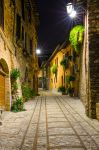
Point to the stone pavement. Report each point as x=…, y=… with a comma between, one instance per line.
x=51, y=122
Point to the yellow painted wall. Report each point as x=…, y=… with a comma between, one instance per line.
x=53, y=84
x=61, y=73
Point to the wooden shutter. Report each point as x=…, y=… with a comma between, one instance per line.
x=2, y=13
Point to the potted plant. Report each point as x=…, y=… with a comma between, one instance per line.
x=62, y=89
x=70, y=91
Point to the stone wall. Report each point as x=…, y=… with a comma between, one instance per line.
x=93, y=22
x=89, y=85
x=11, y=50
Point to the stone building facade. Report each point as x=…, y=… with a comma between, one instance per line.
x=72, y=67
x=89, y=85
x=18, y=42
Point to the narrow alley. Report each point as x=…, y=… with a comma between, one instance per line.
x=50, y=122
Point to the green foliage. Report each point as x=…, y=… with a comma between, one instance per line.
x=15, y=74
x=27, y=92
x=14, y=87
x=64, y=62
x=61, y=89
x=54, y=69
x=18, y=105
x=70, y=91
x=76, y=37
x=70, y=78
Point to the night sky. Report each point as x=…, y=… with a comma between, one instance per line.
x=54, y=25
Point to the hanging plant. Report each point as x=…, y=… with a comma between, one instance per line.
x=76, y=37
x=54, y=69
x=15, y=74
x=70, y=78
x=64, y=62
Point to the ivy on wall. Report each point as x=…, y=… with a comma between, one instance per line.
x=76, y=37
x=64, y=62
x=54, y=69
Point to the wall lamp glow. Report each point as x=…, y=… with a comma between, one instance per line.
x=73, y=14
x=38, y=51
x=70, y=10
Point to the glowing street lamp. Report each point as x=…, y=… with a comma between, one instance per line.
x=70, y=10
x=73, y=14
x=38, y=51
x=70, y=7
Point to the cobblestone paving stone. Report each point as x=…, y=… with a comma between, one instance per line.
x=50, y=122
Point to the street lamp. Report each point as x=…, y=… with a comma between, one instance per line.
x=73, y=14
x=38, y=51
x=70, y=7
x=70, y=10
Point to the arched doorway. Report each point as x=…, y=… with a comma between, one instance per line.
x=4, y=85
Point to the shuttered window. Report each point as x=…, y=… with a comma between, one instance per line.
x=2, y=13
x=22, y=8
x=31, y=52
x=18, y=26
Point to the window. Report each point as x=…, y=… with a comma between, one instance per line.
x=26, y=75
x=25, y=41
x=12, y=2
x=2, y=13
x=22, y=34
x=56, y=78
x=22, y=8
x=57, y=61
x=18, y=26
x=62, y=80
x=29, y=15
x=31, y=52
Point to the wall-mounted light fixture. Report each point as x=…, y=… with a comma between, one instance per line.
x=38, y=51
x=71, y=11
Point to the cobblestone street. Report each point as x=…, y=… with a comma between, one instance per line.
x=51, y=122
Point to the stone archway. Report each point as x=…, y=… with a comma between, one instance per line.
x=4, y=85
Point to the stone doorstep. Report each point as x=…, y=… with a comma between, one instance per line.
x=97, y=110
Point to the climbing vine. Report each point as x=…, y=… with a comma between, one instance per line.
x=76, y=37
x=64, y=62
x=15, y=74
x=54, y=69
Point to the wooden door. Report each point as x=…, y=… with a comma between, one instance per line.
x=2, y=91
